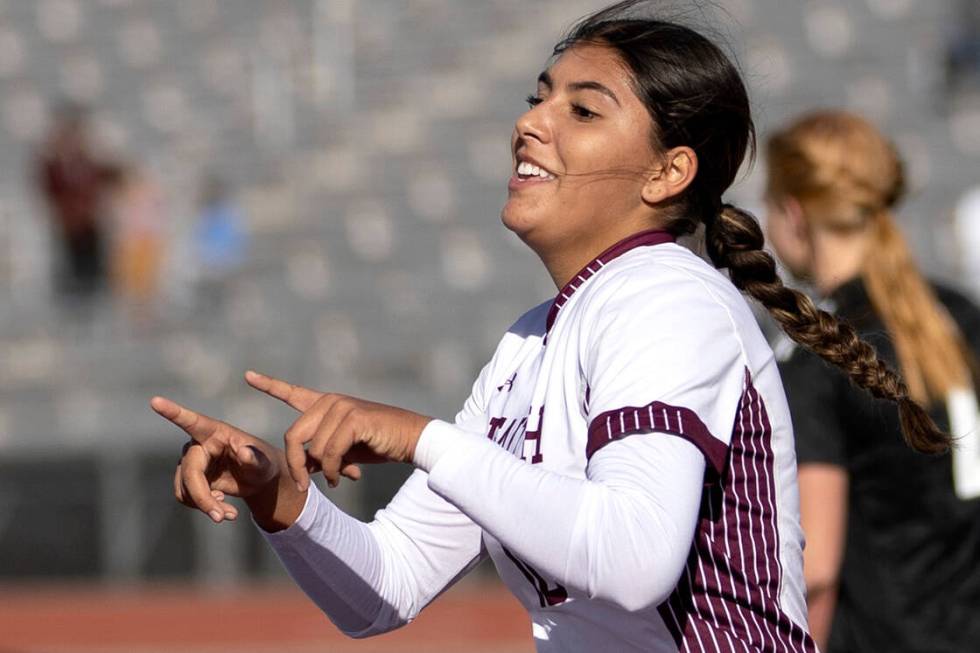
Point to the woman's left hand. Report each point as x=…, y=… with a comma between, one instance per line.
x=341, y=431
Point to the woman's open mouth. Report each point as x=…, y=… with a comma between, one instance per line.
x=528, y=173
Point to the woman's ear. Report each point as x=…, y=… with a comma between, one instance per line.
x=797, y=221
x=789, y=235
x=680, y=166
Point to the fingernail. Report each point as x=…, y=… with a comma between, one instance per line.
x=215, y=515
x=229, y=515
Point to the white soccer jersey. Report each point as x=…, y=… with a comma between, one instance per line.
x=647, y=351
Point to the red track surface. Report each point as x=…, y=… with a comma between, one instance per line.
x=252, y=619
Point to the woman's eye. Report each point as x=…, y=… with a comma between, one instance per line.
x=533, y=101
x=582, y=112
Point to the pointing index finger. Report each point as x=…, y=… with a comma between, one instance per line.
x=200, y=427
x=296, y=396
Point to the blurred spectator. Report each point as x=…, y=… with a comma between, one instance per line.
x=892, y=561
x=137, y=210
x=220, y=239
x=73, y=179
x=963, y=53
x=967, y=224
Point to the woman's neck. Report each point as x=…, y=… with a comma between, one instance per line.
x=837, y=259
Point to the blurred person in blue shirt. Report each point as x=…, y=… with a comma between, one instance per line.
x=220, y=238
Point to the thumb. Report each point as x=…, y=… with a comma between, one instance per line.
x=248, y=456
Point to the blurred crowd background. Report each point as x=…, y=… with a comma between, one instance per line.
x=311, y=188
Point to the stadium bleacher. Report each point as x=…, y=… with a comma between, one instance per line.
x=367, y=143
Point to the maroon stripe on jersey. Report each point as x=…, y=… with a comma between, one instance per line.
x=653, y=237
x=658, y=416
x=727, y=599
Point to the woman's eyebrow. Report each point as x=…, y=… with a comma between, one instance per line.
x=594, y=86
x=545, y=79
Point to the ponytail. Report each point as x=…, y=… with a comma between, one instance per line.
x=735, y=241
x=931, y=352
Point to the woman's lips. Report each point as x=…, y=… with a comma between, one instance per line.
x=517, y=182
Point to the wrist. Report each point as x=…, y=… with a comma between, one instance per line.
x=277, y=506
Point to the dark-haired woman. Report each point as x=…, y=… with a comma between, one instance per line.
x=893, y=538
x=626, y=457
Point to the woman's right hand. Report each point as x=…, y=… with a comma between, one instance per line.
x=221, y=460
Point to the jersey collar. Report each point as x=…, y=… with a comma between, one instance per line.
x=643, y=238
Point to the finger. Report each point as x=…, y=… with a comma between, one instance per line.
x=296, y=462
x=304, y=430
x=196, y=485
x=228, y=510
x=296, y=396
x=179, y=485
x=324, y=438
x=333, y=454
x=200, y=427
x=351, y=471
x=180, y=491
x=312, y=464
x=246, y=454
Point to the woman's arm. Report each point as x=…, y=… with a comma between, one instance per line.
x=368, y=578
x=823, y=514
x=371, y=578
x=622, y=534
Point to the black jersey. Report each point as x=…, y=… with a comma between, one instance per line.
x=910, y=579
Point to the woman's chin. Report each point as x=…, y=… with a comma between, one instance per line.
x=517, y=221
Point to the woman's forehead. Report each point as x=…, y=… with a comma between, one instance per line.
x=591, y=62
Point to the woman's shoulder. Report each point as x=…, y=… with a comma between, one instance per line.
x=959, y=304
x=533, y=322
x=668, y=296
x=963, y=310
x=667, y=279
x=669, y=268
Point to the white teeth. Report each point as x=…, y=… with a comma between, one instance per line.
x=526, y=169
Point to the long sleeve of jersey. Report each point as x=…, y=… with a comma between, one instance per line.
x=622, y=534
x=369, y=578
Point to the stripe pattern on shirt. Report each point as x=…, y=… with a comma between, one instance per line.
x=660, y=417
x=644, y=238
x=727, y=598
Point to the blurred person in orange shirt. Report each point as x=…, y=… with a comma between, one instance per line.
x=137, y=210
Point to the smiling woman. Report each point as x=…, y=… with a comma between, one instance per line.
x=626, y=457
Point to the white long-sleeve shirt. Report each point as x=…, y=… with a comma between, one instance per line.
x=626, y=460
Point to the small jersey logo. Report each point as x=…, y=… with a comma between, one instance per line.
x=509, y=383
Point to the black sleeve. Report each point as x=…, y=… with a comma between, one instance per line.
x=811, y=390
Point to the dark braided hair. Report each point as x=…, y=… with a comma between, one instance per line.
x=696, y=97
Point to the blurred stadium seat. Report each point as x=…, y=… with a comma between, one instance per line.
x=367, y=141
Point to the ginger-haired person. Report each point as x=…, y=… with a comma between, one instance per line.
x=892, y=561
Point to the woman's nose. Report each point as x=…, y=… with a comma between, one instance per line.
x=534, y=124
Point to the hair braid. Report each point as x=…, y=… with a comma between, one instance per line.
x=735, y=241
x=705, y=105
